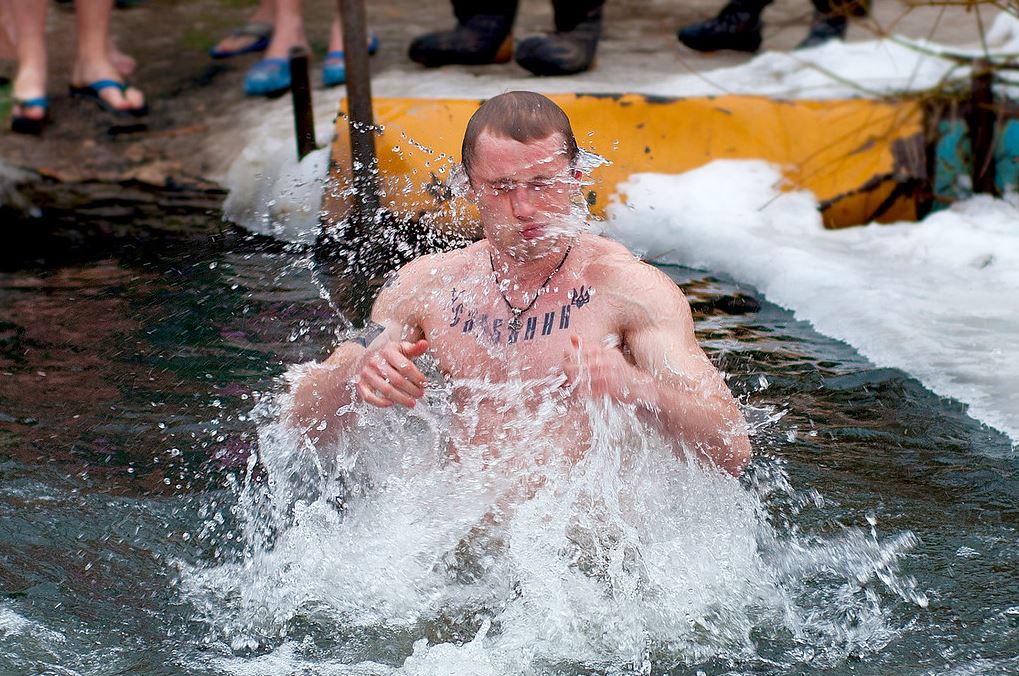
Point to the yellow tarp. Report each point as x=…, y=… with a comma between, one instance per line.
x=850, y=153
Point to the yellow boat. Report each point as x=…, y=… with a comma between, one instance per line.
x=861, y=158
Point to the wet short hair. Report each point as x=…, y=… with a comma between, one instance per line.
x=521, y=116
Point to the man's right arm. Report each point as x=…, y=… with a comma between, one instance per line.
x=381, y=373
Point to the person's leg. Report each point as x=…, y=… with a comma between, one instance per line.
x=288, y=30
x=30, y=80
x=271, y=76
x=7, y=32
x=336, y=33
x=92, y=61
x=737, y=26
x=124, y=63
x=336, y=36
x=254, y=36
x=831, y=19
x=482, y=35
x=334, y=68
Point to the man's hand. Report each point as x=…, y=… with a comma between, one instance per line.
x=388, y=376
x=596, y=371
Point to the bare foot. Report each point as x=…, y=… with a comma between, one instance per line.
x=289, y=32
x=29, y=84
x=258, y=28
x=335, y=35
x=33, y=113
x=128, y=99
x=244, y=39
x=123, y=63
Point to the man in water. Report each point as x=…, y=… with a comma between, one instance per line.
x=535, y=319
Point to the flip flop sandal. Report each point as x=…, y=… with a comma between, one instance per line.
x=268, y=77
x=20, y=124
x=262, y=32
x=334, y=70
x=90, y=92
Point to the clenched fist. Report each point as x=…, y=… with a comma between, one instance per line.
x=388, y=376
x=596, y=371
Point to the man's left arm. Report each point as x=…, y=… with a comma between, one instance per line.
x=670, y=379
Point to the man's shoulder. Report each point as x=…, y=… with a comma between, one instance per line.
x=614, y=267
x=430, y=266
x=608, y=259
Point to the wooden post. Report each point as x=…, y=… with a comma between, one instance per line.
x=364, y=162
x=983, y=121
x=360, y=245
x=300, y=96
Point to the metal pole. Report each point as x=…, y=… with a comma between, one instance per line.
x=983, y=121
x=364, y=163
x=300, y=95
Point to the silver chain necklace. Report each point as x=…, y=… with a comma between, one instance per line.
x=515, y=323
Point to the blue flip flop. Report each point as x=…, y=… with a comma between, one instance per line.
x=90, y=92
x=30, y=125
x=334, y=70
x=262, y=32
x=268, y=77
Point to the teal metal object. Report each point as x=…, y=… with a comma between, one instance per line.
x=953, y=163
x=1006, y=158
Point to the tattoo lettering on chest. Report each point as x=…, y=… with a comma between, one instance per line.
x=499, y=330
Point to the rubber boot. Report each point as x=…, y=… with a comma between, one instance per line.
x=482, y=35
x=737, y=27
x=572, y=47
x=824, y=27
x=831, y=20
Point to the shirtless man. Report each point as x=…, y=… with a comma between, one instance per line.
x=538, y=312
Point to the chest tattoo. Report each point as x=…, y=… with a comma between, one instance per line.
x=501, y=330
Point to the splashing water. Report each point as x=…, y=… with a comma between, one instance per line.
x=384, y=553
x=406, y=546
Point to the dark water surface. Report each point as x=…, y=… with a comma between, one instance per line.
x=126, y=385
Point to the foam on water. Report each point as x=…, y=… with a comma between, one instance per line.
x=30, y=646
x=936, y=299
x=384, y=554
x=255, y=158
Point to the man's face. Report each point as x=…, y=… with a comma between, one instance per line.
x=524, y=192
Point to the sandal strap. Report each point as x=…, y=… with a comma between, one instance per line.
x=373, y=45
x=267, y=64
x=100, y=85
x=37, y=102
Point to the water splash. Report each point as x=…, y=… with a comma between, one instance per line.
x=384, y=553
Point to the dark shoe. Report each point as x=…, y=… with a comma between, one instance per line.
x=256, y=33
x=571, y=49
x=857, y=8
x=479, y=39
x=823, y=28
x=22, y=124
x=737, y=27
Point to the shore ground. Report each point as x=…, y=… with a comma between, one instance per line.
x=80, y=159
